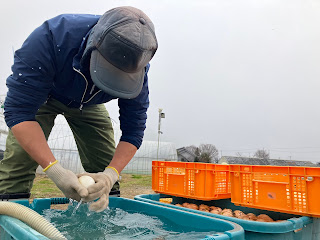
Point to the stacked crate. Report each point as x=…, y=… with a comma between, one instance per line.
x=201, y=181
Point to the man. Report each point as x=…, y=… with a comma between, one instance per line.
x=70, y=65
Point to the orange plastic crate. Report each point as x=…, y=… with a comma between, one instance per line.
x=202, y=181
x=277, y=188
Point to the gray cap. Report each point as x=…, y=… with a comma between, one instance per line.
x=121, y=44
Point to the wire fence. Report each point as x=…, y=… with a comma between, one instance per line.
x=64, y=148
x=142, y=165
x=3, y=126
x=70, y=159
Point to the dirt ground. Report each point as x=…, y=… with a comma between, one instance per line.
x=135, y=190
x=132, y=185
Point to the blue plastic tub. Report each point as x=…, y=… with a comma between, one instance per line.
x=11, y=228
x=295, y=228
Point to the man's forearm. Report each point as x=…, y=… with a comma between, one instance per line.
x=31, y=137
x=122, y=156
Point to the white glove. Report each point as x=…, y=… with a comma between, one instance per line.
x=101, y=189
x=66, y=181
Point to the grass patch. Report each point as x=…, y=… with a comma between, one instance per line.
x=136, y=176
x=130, y=185
x=128, y=180
x=43, y=187
x=45, y=182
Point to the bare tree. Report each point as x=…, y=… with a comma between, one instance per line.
x=204, y=153
x=195, y=150
x=262, y=153
x=192, y=148
x=210, y=152
x=239, y=154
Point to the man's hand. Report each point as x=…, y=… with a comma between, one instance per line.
x=66, y=181
x=101, y=189
x=32, y=139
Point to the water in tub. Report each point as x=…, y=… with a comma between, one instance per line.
x=115, y=223
x=77, y=222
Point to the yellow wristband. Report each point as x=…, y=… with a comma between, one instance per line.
x=50, y=165
x=115, y=170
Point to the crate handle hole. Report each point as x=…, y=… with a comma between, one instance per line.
x=309, y=179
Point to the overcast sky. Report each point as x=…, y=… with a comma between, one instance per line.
x=240, y=74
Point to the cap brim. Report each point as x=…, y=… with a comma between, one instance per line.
x=112, y=80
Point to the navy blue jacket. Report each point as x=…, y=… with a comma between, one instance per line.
x=50, y=64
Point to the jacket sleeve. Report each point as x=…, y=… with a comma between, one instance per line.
x=32, y=77
x=133, y=115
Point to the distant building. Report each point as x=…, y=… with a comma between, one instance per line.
x=184, y=155
x=260, y=161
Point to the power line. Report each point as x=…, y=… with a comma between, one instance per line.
x=295, y=151
x=297, y=148
x=276, y=150
x=248, y=149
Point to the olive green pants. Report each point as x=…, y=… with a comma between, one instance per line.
x=92, y=131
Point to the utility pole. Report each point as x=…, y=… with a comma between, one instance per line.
x=161, y=115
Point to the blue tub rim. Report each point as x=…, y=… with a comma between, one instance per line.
x=292, y=224
x=40, y=204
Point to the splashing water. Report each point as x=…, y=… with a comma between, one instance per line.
x=76, y=208
x=115, y=223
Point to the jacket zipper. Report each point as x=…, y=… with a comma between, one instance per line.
x=84, y=77
x=92, y=97
x=92, y=89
